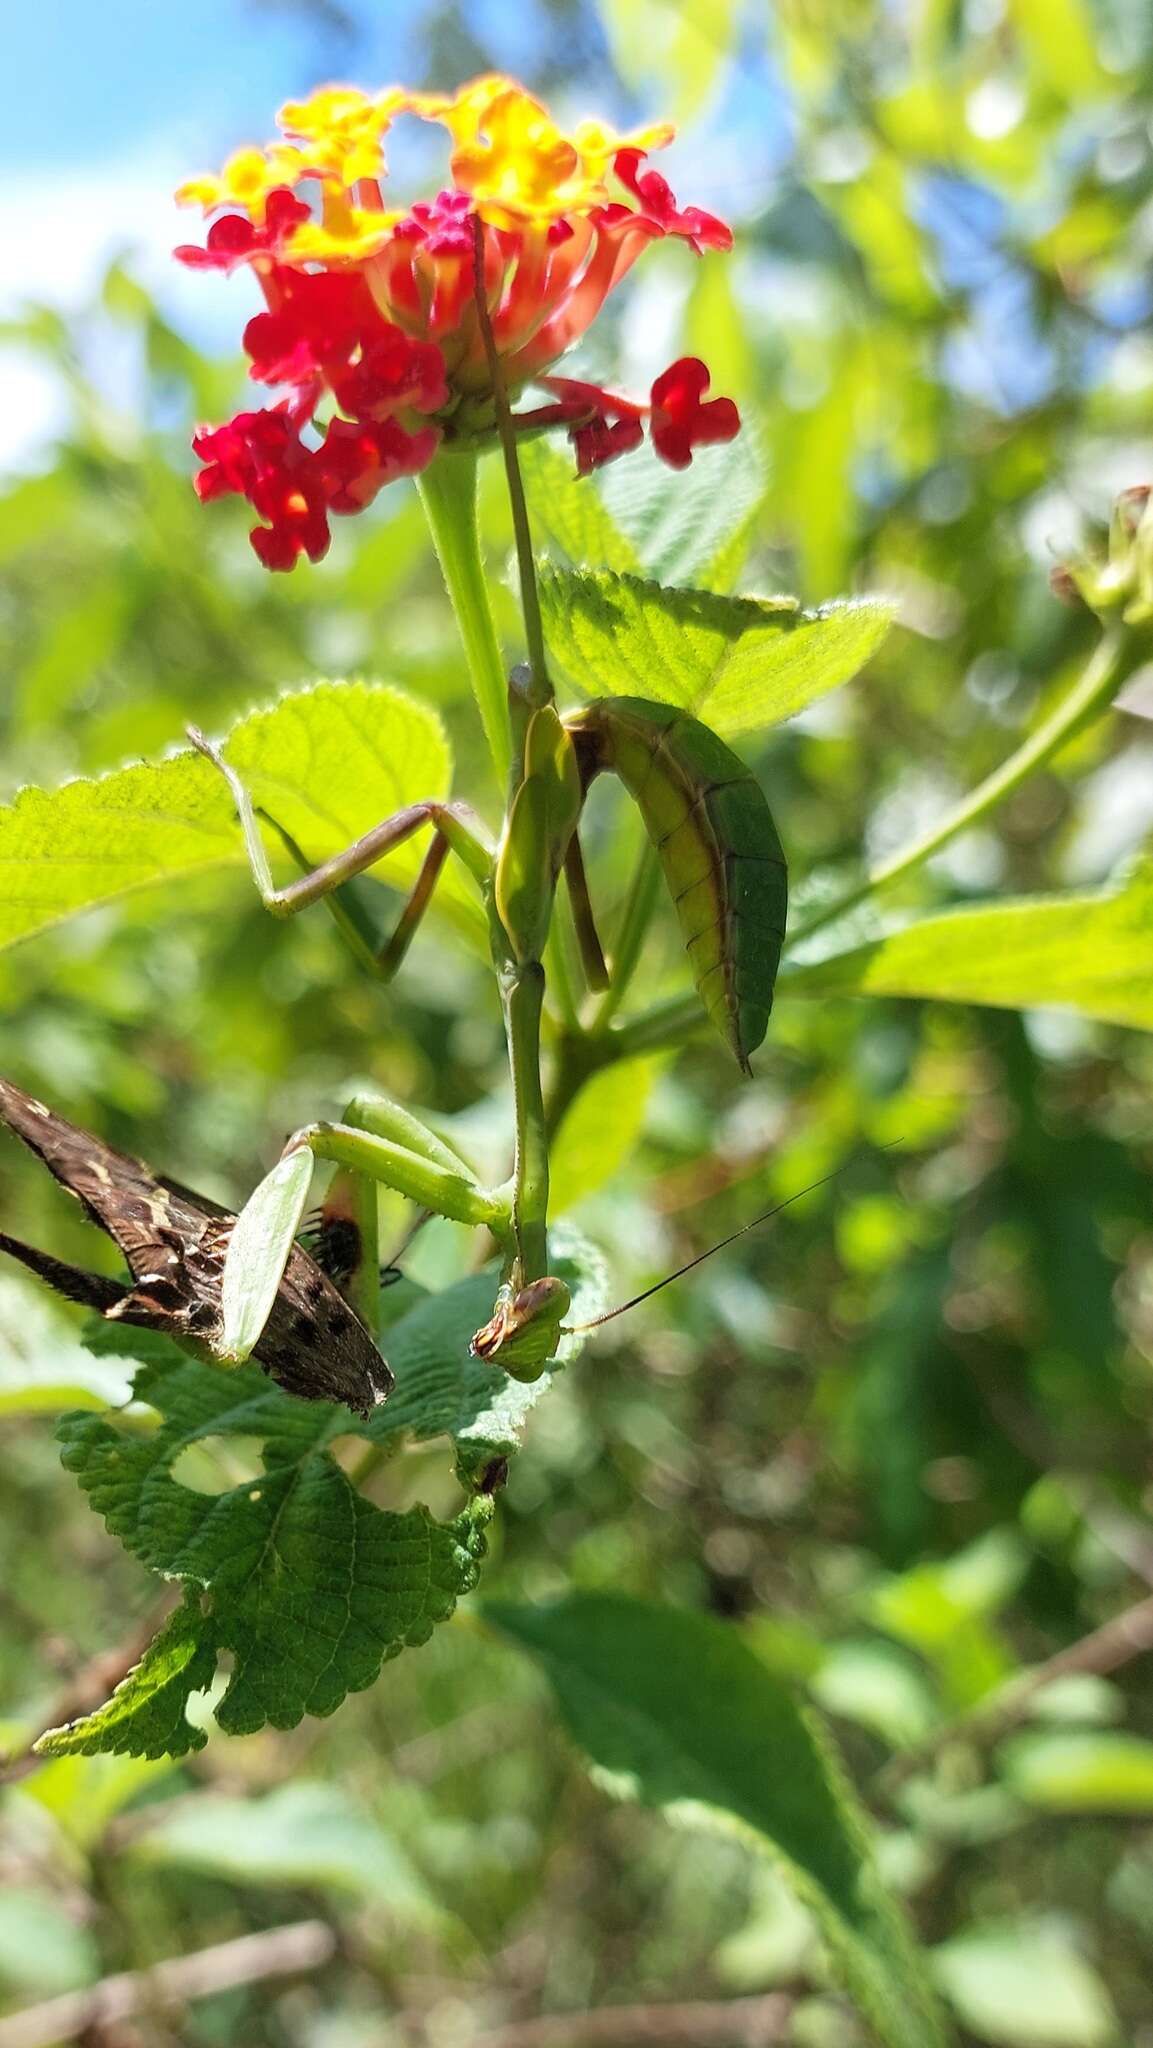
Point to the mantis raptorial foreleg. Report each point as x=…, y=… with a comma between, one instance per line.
x=456, y=828
x=378, y=1142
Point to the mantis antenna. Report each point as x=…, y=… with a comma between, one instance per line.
x=574, y=1329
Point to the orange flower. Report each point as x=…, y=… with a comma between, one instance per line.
x=374, y=311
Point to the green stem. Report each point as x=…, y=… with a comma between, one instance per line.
x=642, y=901
x=541, y=691
x=1115, y=655
x=523, y=993
x=448, y=493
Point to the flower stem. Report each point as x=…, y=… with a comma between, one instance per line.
x=1115, y=655
x=541, y=691
x=448, y=493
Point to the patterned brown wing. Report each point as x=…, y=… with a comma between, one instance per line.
x=122, y=1197
x=175, y=1243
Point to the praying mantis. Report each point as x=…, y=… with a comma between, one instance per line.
x=711, y=828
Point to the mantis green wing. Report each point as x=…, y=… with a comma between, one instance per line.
x=718, y=847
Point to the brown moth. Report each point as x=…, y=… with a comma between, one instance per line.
x=174, y=1242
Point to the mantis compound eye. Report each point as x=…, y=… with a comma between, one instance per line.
x=524, y=1329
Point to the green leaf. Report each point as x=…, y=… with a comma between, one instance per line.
x=570, y=512
x=42, y=1951
x=329, y=762
x=442, y=1390
x=258, y=1250
x=1089, y=953
x=304, y=1833
x=146, y=1714
x=309, y=1586
x=681, y=1714
x=1087, y=1772
x=743, y=663
x=44, y=1368
x=685, y=524
x=1023, y=1985
x=601, y=1129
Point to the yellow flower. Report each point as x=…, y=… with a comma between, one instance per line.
x=342, y=129
x=246, y=180
x=516, y=163
x=347, y=234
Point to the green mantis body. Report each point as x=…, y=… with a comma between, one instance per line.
x=721, y=858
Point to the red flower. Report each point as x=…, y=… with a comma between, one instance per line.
x=235, y=239
x=680, y=422
x=693, y=225
x=371, y=313
x=261, y=457
x=356, y=461
x=603, y=425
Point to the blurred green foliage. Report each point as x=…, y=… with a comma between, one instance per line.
x=901, y=1441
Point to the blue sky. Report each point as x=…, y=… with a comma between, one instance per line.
x=117, y=100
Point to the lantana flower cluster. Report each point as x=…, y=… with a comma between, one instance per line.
x=371, y=326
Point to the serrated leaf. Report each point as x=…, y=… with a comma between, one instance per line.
x=741, y=663
x=683, y=523
x=681, y=1714
x=569, y=512
x=311, y=1586
x=258, y=1250
x=1089, y=953
x=329, y=762
x=303, y=1580
x=146, y=1714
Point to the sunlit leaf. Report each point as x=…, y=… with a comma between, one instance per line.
x=1089, y=953
x=1021, y=1984
x=601, y=1129
x=329, y=762
x=1089, y=1771
x=740, y=663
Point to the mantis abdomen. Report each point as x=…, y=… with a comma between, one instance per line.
x=717, y=844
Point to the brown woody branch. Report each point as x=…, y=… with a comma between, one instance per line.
x=280, y=1952
x=1128, y=1635
x=734, y=2022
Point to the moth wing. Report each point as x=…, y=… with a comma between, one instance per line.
x=316, y=1346
x=121, y=1195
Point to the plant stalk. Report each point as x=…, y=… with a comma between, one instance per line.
x=541, y=690
x=1115, y=655
x=448, y=489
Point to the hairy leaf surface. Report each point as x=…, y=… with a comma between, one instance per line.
x=329, y=762
x=307, y=1584
x=743, y=663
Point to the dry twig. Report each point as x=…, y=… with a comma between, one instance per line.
x=280, y=1952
